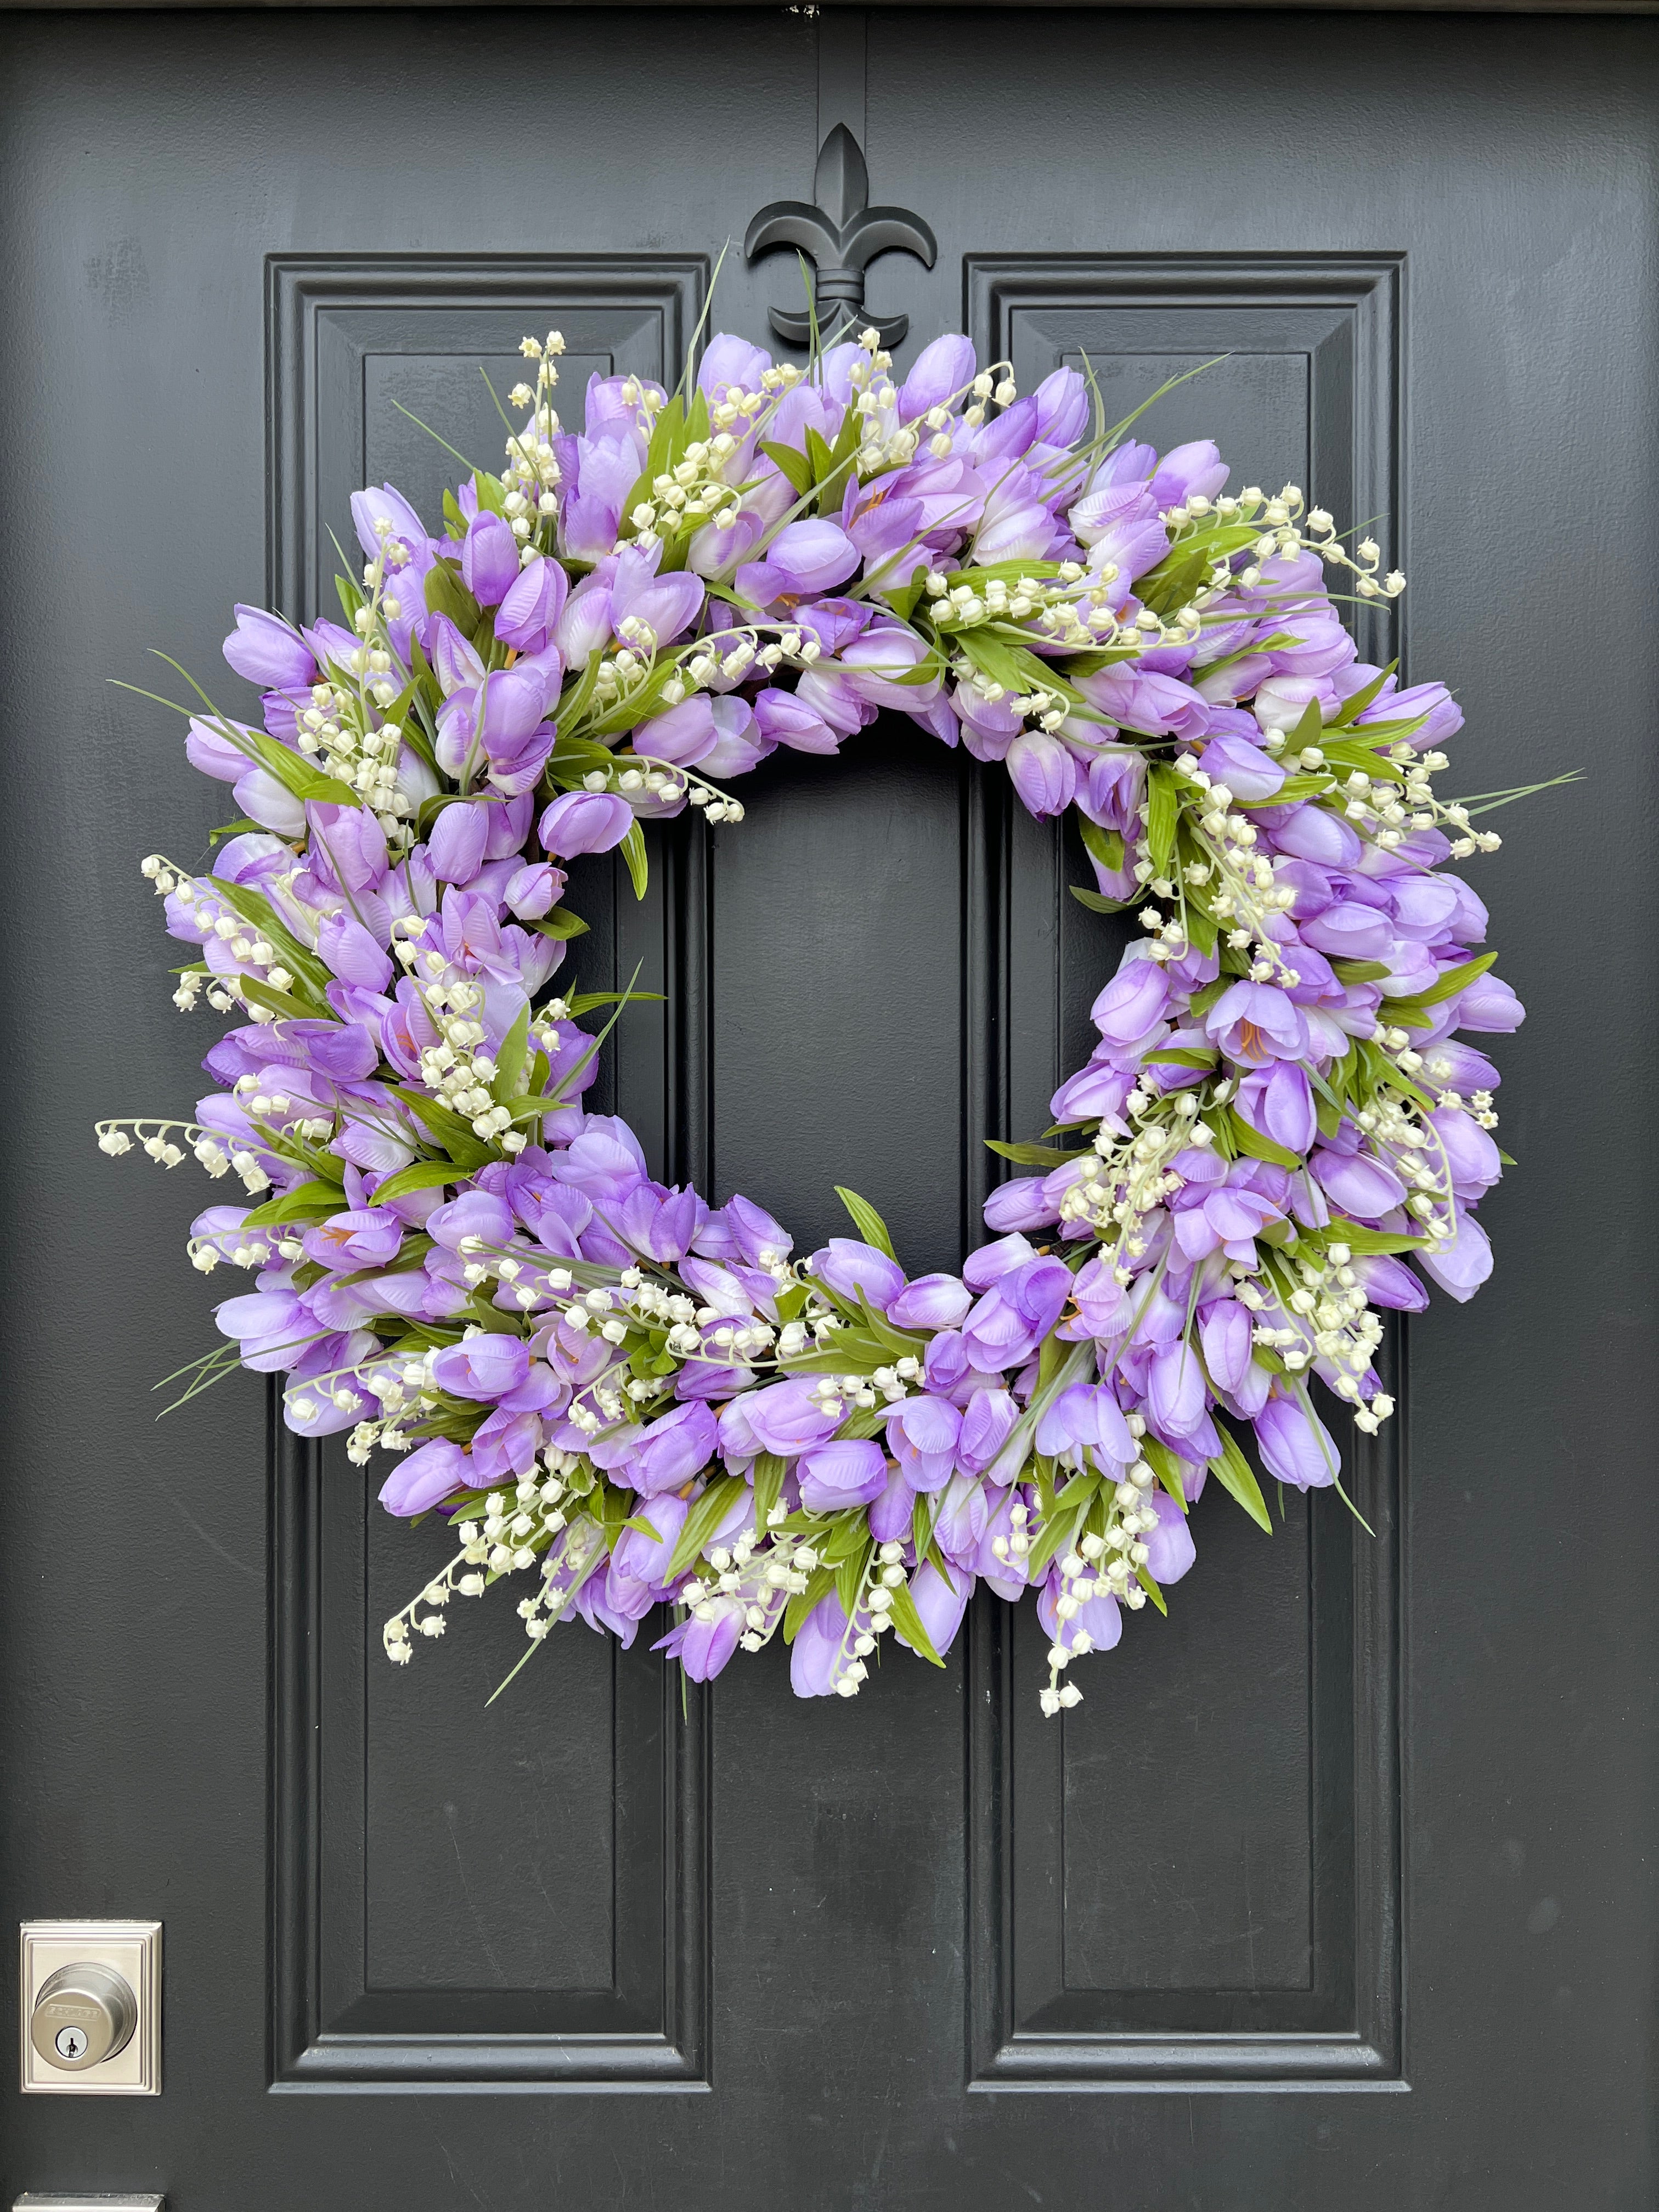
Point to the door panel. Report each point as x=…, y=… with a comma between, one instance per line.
x=1369, y=1812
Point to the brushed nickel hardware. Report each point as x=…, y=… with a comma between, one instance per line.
x=90, y=2010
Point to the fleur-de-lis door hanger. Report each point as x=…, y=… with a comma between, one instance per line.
x=842, y=236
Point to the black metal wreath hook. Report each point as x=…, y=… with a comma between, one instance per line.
x=841, y=235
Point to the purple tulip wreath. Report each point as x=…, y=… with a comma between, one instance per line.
x=620, y=1396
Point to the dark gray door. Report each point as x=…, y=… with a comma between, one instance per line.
x=1336, y=1894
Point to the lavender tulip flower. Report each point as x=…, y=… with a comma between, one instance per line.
x=584, y=822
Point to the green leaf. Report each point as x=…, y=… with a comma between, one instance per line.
x=1360, y=971
x=868, y=1223
x=1235, y=1474
x=1256, y=1146
x=1178, y=1056
x=560, y=923
x=1163, y=807
x=632, y=849
x=458, y=1138
x=1105, y=846
x=421, y=1175
x=701, y=1522
x=1357, y=701
x=1454, y=981
x=307, y=1201
x=1152, y=1590
x=796, y=466
x=1063, y=1521
x=279, y=1002
x=1033, y=1156
x=909, y=1623
x=512, y=1059
x=804, y=1600
x=1361, y=1240
x=583, y=1002
x=768, y=1483
x=445, y=594
x=1309, y=730
x=1162, y=1461
x=1096, y=901
x=898, y=1341
x=849, y=1574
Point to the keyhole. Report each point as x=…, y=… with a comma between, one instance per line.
x=70, y=2042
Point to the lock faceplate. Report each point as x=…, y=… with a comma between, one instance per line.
x=30, y=2202
x=90, y=1995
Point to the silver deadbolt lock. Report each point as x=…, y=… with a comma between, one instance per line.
x=83, y=2015
x=91, y=2008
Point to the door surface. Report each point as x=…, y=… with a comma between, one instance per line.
x=1336, y=1894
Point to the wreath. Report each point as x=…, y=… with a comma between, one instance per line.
x=620, y=1396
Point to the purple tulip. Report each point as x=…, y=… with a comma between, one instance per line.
x=850, y=1471
x=1044, y=774
x=265, y=800
x=1444, y=717
x=1225, y=1332
x=1473, y=1159
x=1014, y=1316
x=429, y=1472
x=533, y=890
x=1248, y=772
x=940, y=373
x=1104, y=1307
x=932, y=1301
x=784, y=1418
x=645, y=1558
x=848, y=1266
x=941, y=1600
x=1361, y=1187
x=1170, y=1547
x=1096, y=1627
x=668, y=1452
x=475, y=1214
x=263, y=648
x=987, y=1422
x=703, y=1644
x=1489, y=1005
x=1254, y=1023
x=1277, y=1100
x=921, y=1435
x=786, y=719
x=490, y=559
x=659, y=1223
x=1462, y=1263
x=209, y=746
x=821, y=1650
x=367, y=1237
x=352, y=953
x=730, y=363
x=486, y=1366
x=1019, y=1204
x=1158, y=705
x=1176, y=1398
x=584, y=822
x=529, y=613
x=1388, y=1282
x=805, y=559
x=455, y=843
x=1132, y=1006
x=960, y=1520
x=1088, y=1417
x=1296, y=1445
